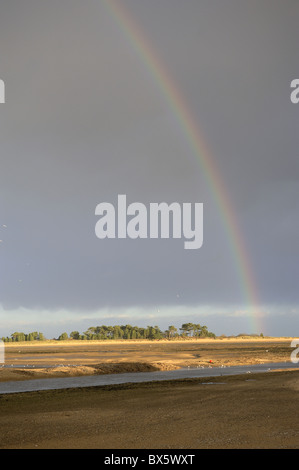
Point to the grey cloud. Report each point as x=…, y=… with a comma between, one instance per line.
x=85, y=120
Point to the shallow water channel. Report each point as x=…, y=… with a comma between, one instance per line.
x=135, y=377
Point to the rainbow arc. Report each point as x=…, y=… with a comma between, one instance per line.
x=189, y=127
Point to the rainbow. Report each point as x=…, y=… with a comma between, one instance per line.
x=187, y=122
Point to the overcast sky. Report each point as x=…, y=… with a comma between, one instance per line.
x=85, y=120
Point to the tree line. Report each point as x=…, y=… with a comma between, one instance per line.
x=20, y=336
x=115, y=332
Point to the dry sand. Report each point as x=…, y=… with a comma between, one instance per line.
x=247, y=411
x=95, y=357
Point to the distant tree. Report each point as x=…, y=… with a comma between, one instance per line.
x=127, y=331
x=75, y=335
x=104, y=332
x=63, y=337
x=197, y=329
x=18, y=336
x=154, y=332
x=133, y=334
x=146, y=333
x=187, y=328
x=109, y=332
x=204, y=331
x=172, y=331
x=117, y=332
x=90, y=332
x=142, y=333
x=6, y=339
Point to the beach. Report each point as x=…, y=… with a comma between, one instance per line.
x=75, y=358
x=245, y=411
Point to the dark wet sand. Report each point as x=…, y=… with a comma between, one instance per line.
x=247, y=411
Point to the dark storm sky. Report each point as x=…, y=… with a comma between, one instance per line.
x=84, y=121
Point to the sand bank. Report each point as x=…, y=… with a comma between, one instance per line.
x=76, y=358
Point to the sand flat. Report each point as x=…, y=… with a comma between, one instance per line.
x=187, y=414
x=260, y=411
x=75, y=358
